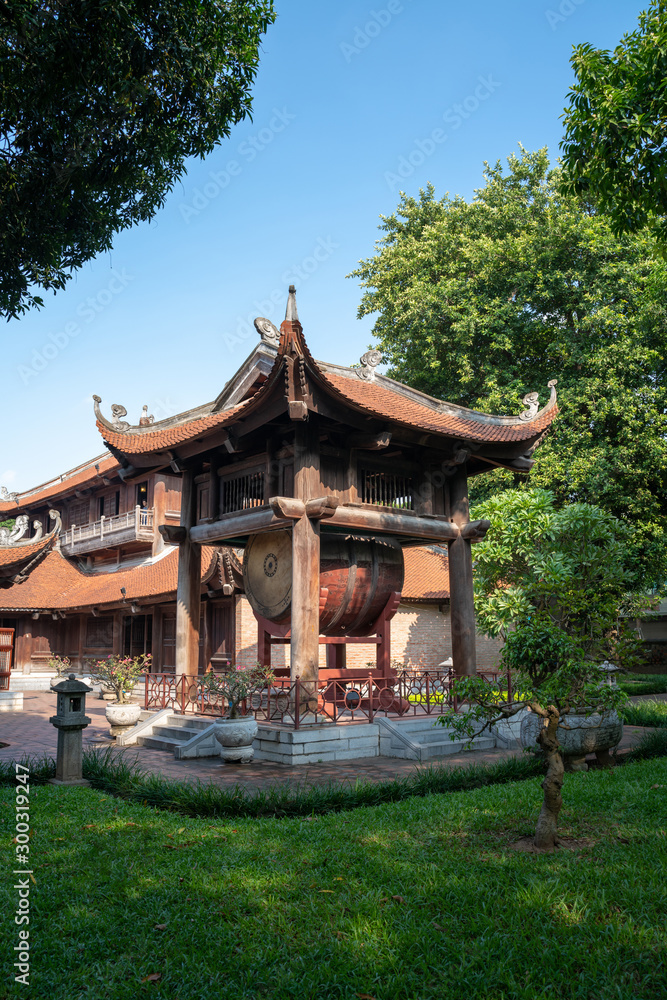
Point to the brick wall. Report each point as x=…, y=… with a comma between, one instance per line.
x=420, y=636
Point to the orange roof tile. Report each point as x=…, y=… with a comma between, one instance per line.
x=166, y=438
x=78, y=477
x=58, y=584
x=426, y=574
x=380, y=401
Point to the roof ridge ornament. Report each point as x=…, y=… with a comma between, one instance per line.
x=13, y=537
x=117, y=411
x=144, y=420
x=291, y=313
x=532, y=401
x=269, y=333
x=6, y=495
x=370, y=360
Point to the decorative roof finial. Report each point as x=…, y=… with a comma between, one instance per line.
x=532, y=401
x=370, y=360
x=6, y=495
x=145, y=420
x=291, y=313
x=269, y=333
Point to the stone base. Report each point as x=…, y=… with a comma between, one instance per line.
x=73, y=781
x=317, y=744
x=11, y=701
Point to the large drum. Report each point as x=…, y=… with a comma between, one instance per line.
x=359, y=572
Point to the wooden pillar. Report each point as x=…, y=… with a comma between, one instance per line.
x=188, y=593
x=159, y=514
x=304, y=643
x=213, y=488
x=156, y=663
x=461, y=598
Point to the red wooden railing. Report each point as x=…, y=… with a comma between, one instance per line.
x=355, y=697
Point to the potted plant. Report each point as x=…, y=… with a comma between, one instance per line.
x=62, y=666
x=236, y=731
x=121, y=673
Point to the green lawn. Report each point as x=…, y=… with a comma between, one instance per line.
x=417, y=899
x=643, y=683
x=646, y=713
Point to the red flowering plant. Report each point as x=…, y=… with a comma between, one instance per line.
x=121, y=673
x=238, y=683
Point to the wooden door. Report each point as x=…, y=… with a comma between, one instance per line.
x=6, y=652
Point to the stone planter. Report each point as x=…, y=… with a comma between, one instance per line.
x=122, y=717
x=235, y=737
x=596, y=733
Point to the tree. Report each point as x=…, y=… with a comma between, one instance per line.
x=552, y=583
x=100, y=104
x=481, y=302
x=615, y=144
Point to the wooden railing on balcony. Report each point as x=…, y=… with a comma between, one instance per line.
x=139, y=519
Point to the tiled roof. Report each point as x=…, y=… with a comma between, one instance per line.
x=166, y=438
x=56, y=584
x=78, y=477
x=379, y=401
x=426, y=574
x=11, y=555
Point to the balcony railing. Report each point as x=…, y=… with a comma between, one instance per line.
x=135, y=525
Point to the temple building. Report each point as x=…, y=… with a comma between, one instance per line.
x=313, y=516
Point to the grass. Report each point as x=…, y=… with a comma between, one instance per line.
x=646, y=713
x=122, y=776
x=634, y=684
x=416, y=900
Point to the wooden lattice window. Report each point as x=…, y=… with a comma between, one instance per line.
x=79, y=513
x=387, y=489
x=246, y=490
x=99, y=633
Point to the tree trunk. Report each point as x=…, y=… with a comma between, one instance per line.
x=546, y=835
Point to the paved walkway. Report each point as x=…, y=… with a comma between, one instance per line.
x=30, y=733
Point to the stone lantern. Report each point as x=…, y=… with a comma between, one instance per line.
x=70, y=720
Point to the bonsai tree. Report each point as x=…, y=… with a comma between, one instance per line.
x=121, y=673
x=236, y=684
x=553, y=584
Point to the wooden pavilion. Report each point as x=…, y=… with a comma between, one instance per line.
x=297, y=459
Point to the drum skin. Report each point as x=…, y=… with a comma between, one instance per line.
x=359, y=572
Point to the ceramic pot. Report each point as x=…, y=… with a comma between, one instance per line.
x=596, y=733
x=122, y=717
x=235, y=737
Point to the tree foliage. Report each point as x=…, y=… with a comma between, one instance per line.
x=481, y=302
x=552, y=583
x=100, y=104
x=615, y=143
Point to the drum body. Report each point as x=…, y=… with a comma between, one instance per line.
x=358, y=572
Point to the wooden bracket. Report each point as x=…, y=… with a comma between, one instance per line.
x=475, y=531
x=173, y=532
x=370, y=442
x=322, y=507
x=297, y=410
x=287, y=507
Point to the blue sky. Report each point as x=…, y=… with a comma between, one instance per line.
x=353, y=102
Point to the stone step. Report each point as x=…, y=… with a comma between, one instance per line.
x=447, y=747
x=189, y=722
x=179, y=733
x=437, y=735
x=158, y=743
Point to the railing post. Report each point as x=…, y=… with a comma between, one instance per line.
x=137, y=518
x=297, y=693
x=101, y=527
x=370, y=696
